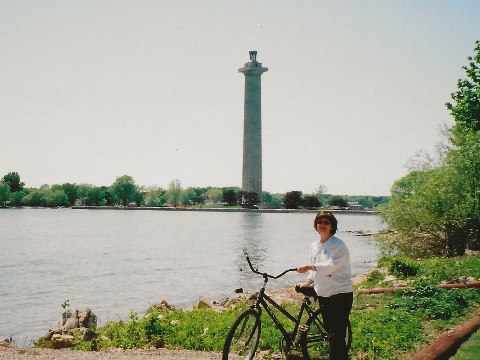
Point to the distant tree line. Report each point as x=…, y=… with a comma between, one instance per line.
x=125, y=192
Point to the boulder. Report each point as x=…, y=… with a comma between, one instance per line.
x=6, y=342
x=59, y=341
x=203, y=304
x=70, y=323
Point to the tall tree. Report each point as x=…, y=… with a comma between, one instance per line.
x=71, y=190
x=465, y=136
x=124, y=190
x=13, y=181
x=174, y=192
x=440, y=205
x=466, y=100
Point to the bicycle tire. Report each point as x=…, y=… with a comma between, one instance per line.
x=242, y=338
x=314, y=340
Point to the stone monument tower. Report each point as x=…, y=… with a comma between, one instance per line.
x=252, y=126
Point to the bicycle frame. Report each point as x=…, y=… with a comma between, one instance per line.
x=264, y=302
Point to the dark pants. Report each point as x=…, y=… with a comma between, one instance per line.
x=335, y=312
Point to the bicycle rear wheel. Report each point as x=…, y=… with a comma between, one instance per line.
x=314, y=340
x=242, y=339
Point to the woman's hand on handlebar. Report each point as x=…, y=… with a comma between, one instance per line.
x=304, y=268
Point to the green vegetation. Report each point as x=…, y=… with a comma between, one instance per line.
x=125, y=192
x=385, y=327
x=436, y=207
x=469, y=350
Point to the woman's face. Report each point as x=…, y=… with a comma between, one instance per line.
x=324, y=226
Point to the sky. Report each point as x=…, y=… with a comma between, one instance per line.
x=93, y=90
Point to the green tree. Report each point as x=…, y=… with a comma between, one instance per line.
x=13, y=181
x=311, y=202
x=82, y=193
x=174, y=192
x=155, y=196
x=124, y=190
x=215, y=195
x=293, y=199
x=58, y=198
x=267, y=198
x=424, y=208
x=230, y=196
x=187, y=196
x=339, y=202
x=465, y=108
x=37, y=197
x=441, y=205
x=95, y=196
x=71, y=190
x=464, y=157
x=109, y=200
x=249, y=199
x=463, y=161
x=4, y=194
x=16, y=198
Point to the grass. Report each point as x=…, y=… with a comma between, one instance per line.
x=470, y=349
x=390, y=326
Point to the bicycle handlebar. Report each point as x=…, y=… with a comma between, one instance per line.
x=265, y=275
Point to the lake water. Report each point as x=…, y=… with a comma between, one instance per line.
x=113, y=261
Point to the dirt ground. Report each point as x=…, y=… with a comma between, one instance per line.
x=137, y=354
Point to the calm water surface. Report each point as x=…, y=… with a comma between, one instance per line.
x=114, y=261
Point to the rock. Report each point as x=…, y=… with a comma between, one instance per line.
x=62, y=341
x=203, y=304
x=87, y=318
x=73, y=322
x=6, y=342
x=159, y=343
x=162, y=306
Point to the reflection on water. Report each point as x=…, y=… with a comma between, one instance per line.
x=114, y=261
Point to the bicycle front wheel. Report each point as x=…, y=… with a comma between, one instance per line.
x=314, y=340
x=242, y=339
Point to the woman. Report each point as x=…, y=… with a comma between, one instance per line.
x=331, y=277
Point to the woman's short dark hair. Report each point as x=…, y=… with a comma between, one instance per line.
x=328, y=216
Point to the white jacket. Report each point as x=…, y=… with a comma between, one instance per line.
x=332, y=262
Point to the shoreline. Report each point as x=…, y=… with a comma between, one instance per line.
x=272, y=211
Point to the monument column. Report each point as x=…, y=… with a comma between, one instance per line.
x=252, y=126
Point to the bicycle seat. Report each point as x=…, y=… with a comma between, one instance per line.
x=307, y=291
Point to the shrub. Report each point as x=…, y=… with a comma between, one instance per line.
x=402, y=267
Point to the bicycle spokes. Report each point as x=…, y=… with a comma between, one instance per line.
x=247, y=332
x=242, y=339
x=315, y=339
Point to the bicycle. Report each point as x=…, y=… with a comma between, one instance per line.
x=308, y=337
